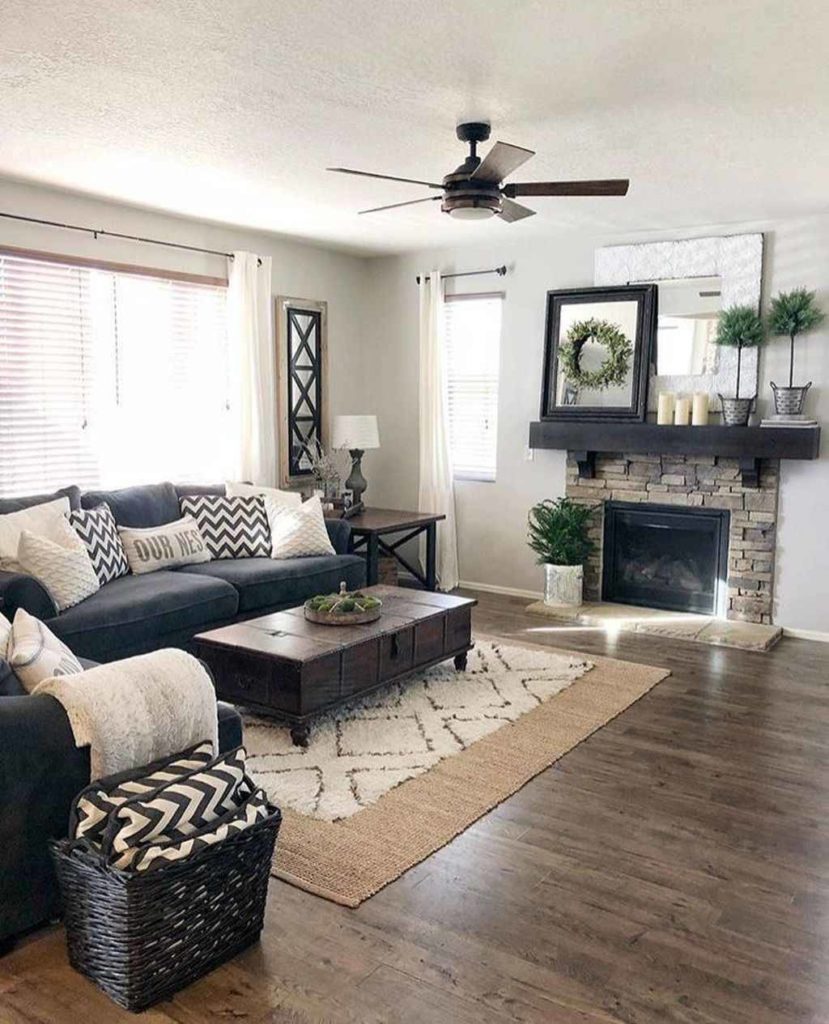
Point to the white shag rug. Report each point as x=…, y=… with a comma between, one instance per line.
x=363, y=750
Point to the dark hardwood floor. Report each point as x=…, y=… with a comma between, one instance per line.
x=674, y=867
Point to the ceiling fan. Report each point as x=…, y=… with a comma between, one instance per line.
x=474, y=190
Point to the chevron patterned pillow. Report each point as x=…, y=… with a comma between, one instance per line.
x=231, y=527
x=157, y=855
x=96, y=528
x=177, y=810
x=92, y=807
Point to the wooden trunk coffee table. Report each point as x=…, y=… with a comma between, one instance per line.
x=283, y=665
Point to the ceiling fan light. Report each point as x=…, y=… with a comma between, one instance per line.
x=471, y=212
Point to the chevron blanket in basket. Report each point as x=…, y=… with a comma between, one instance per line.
x=138, y=710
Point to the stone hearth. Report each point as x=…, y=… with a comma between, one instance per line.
x=706, y=481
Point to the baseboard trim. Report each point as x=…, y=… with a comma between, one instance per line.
x=491, y=588
x=807, y=634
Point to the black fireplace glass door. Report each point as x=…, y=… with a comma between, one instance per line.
x=661, y=557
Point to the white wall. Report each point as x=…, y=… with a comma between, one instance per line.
x=492, y=516
x=299, y=269
x=373, y=352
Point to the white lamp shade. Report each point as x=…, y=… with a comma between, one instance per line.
x=355, y=432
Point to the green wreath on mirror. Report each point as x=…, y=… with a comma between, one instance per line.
x=615, y=365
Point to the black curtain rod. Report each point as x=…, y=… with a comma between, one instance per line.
x=117, y=234
x=500, y=271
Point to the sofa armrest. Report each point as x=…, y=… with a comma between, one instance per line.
x=17, y=590
x=41, y=770
x=339, y=533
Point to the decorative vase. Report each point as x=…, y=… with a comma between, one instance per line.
x=736, y=411
x=563, y=584
x=331, y=488
x=789, y=401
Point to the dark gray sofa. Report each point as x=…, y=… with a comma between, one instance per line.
x=135, y=614
x=41, y=771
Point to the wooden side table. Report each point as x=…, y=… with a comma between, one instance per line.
x=373, y=524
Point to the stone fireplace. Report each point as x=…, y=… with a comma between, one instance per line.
x=744, y=540
x=661, y=556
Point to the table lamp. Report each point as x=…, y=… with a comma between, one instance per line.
x=356, y=433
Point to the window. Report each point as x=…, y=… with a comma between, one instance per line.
x=472, y=339
x=110, y=378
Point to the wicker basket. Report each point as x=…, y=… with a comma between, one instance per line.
x=143, y=936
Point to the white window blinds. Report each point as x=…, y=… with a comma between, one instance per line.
x=472, y=336
x=109, y=378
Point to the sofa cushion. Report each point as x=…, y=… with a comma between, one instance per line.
x=265, y=583
x=148, y=505
x=17, y=504
x=186, y=490
x=137, y=613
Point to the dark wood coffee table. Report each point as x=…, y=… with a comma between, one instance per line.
x=283, y=665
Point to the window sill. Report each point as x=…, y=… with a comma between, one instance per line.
x=479, y=478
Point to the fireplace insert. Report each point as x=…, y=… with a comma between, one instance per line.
x=662, y=556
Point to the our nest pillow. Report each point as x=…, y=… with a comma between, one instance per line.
x=159, y=547
x=300, y=532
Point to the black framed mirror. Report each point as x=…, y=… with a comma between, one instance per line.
x=301, y=351
x=597, y=352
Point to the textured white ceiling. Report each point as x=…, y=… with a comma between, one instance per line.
x=229, y=110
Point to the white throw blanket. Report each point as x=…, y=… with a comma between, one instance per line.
x=138, y=710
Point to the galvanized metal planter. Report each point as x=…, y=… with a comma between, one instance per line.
x=563, y=584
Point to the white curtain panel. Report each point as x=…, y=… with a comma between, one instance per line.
x=437, y=489
x=250, y=332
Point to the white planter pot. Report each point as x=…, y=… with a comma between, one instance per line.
x=563, y=584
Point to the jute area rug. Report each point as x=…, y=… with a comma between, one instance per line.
x=389, y=780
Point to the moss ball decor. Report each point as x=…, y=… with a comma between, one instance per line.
x=348, y=607
x=615, y=365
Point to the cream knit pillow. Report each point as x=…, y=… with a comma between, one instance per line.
x=297, y=532
x=61, y=563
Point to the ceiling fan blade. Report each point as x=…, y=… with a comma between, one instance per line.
x=393, y=206
x=511, y=211
x=384, y=177
x=602, y=187
x=500, y=161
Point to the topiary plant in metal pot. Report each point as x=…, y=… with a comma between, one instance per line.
x=558, y=534
x=792, y=313
x=739, y=327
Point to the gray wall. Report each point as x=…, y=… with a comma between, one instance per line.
x=492, y=516
x=373, y=352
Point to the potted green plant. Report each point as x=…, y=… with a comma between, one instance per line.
x=792, y=313
x=557, y=533
x=739, y=327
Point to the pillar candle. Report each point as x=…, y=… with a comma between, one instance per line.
x=665, y=408
x=700, y=410
x=682, y=412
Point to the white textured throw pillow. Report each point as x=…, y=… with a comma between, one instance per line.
x=35, y=653
x=158, y=547
x=5, y=633
x=297, y=532
x=44, y=520
x=63, y=567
